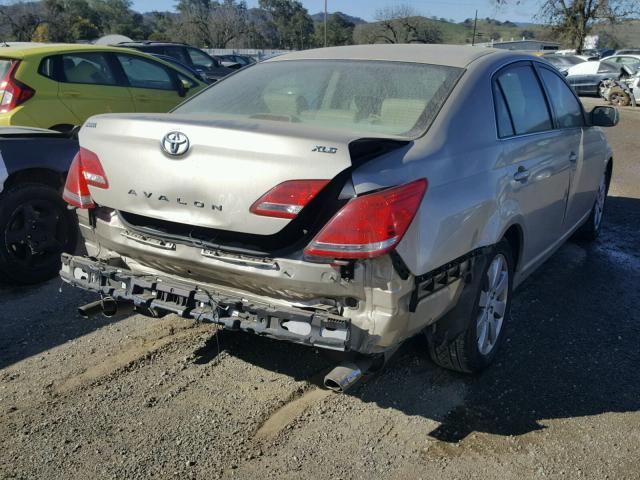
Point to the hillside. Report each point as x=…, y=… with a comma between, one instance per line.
x=459, y=33
x=620, y=35
x=319, y=17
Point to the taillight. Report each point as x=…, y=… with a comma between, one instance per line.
x=288, y=198
x=14, y=92
x=370, y=225
x=85, y=170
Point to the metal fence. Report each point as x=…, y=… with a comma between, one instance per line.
x=251, y=52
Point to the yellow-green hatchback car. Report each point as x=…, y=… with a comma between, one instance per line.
x=58, y=86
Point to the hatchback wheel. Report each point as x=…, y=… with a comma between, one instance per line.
x=483, y=321
x=35, y=227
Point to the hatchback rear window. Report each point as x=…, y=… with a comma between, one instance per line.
x=5, y=66
x=371, y=97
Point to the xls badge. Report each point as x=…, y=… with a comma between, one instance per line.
x=323, y=149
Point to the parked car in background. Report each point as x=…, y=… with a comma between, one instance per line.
x=35, y=224
x=236, y=61
x=587, y=77
x=632, y=60
x=627, y=51
x=624, y=91
x=324, y=198
x=197, y=59
x=179, y=64
x=59, y=86
x=563, y=62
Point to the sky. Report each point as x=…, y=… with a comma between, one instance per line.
x=456, y=9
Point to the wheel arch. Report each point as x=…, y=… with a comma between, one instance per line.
x=609, y=171
x=514, y=235
x=44, y=176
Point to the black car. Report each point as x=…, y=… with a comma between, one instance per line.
x=35, y=224
x=199, y=60
x=236, y=61
x=179, y=64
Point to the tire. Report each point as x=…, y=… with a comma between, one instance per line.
x=465, y=351
x=35, y=227
x=619, y=98
x=590, y=230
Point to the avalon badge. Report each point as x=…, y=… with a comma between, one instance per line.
x=175, y=143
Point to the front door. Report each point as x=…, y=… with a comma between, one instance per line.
x=586, y=162
x=152, y=85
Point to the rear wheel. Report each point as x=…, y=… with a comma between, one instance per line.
x=483, y=324
x=35, y=227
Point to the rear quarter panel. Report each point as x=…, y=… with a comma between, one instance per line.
x=45, y=109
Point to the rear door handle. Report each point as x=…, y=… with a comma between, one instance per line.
x=71, y=94
x=522, y=175
x=573, y=158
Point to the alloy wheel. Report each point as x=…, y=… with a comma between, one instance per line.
x=493, y=305
x=599, y=206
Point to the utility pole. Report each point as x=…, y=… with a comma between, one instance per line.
x=475, y=22
x=325, y=23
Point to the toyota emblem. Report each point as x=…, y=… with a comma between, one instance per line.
x=175, y=143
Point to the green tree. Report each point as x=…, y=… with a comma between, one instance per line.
x=571, y=20
x=339, y=31
x=293, y=25
x=83, y=29
x=399, y=24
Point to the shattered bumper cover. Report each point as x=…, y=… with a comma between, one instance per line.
x=161, y=295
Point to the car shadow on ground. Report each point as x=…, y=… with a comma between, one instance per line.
x=34, y=319
x=571, y=349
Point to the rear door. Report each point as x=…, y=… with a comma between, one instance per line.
x=535, y=155
x=89, y=85
x=153, y=86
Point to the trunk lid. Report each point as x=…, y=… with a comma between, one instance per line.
x=229, y=165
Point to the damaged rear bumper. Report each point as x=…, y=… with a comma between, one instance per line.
x=161, y=295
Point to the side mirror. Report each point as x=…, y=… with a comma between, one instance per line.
x=604, y=117
x=183, y=87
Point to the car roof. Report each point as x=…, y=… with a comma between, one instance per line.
x=448, y=55
x=152, y=44
x=634, y=55
x=37, y=49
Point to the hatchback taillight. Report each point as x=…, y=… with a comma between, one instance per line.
x=85, y=170
x=287, y=199
x=13, y=92
x=369, y=225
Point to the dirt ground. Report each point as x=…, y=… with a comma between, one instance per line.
x=164, y=398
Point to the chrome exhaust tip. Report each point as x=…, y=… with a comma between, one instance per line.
x=343, y=377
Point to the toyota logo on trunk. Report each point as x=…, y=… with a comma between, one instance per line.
x=175, y=143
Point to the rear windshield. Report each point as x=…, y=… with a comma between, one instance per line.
x=369, y=97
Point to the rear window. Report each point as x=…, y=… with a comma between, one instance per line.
x=372, y=97
x=5, y=66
